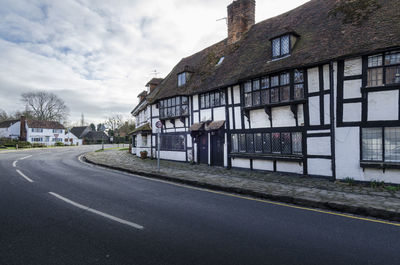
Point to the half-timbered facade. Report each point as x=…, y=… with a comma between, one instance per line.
x=314, y=91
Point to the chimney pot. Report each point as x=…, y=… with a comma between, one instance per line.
x=241, y=16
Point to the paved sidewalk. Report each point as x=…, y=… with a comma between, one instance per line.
x=338, y=196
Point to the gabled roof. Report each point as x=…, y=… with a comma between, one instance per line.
x=323, y=37
x=78, y=131
x=96, y=136
x=6, y=124
x=44, y=124
x=155, y=81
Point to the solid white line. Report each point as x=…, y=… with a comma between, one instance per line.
x=25, y=157
x=119, y=220
x=24, y=176
x=15, y=163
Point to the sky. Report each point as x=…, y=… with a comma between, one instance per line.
x=97, y=55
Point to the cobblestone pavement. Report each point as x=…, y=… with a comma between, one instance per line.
x=358, y=199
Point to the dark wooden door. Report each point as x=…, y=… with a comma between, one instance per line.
x=203, y=149
x=217, y=149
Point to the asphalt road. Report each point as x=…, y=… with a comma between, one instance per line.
x=133, y=220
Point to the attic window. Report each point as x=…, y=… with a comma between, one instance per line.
x=220, y=60
x=183, y=78
x=281, y=46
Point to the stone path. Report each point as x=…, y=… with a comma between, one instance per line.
x=340, y=196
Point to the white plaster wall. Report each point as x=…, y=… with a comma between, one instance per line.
x=196, y=117
x=205, y=114
x=195, y=102
x=155, y=111
x=236, y=94
x=173, y=155
x=327, y=109
x=351, y=112
x=238, y=121
x=353, y=67
x=4, y=132
x=195, y=153
x=383, y=105
x=352, y=88
x=290, y=167
x=283, y=117
x=319, y=145
x=180, y=130
x=14, y=130
x=219, y=114
x=189, y=141
x=259, y=119
x=313, y=103
x=300, y=114
x=389, y=176
x=179, y=123
x=263, y=165
x=326, y=77
x=169, y=125
x=241, y=162
x=313, y=79
x=320, y=167
x=229, y=89
x=230, y=119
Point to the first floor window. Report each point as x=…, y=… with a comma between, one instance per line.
x=172, y=142
x=381, y=144
x=383, y=69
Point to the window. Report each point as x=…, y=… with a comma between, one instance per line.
x=174, y=107
x=56, y=140
x=274, y=89
x=286, y=143
x=172, y=142
x=383, y=69
x=183, y=78
x=281, y=46
x=37, y=130
x=212, y=99
x=36, y=139
x=381, y=144
x=57, y=131
x=144, y=140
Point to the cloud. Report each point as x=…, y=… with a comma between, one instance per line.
x=96, y=54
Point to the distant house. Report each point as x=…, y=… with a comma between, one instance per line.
x=87, y=136
x=9, y=129
x=72, y=139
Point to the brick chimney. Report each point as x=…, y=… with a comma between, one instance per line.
x=241, y=16
x=22, y=129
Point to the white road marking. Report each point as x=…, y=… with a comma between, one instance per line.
x=15, y=163
x=24, y=176
x=116, y=219
x=25, y=157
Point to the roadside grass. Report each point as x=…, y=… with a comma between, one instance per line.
x=124, y=149
x=112, y=148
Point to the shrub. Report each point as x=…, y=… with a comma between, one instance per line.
x=24, y=144
x=349, y=181
x=59, y=144
x=38, y=145
x=143, y=154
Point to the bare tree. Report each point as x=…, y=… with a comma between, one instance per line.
x=45, y=106
x=112, y=123
x=3, y=115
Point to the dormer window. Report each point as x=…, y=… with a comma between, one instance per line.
x=281, y=46
x=183, y=78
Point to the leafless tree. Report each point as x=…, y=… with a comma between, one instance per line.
x=3, y=115
x=113, y=122
x=45, y=106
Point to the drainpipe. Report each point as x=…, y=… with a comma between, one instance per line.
x=332, y=118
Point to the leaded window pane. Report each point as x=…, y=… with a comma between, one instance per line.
x=169, y=102
x=276, y=143
x=297, y=143
x=267, y=142
x=242, y=142
x=298, y=91
x=298, y=76
x=250, y=142
x=265, y=83
x=207, y=100
x=285, y=45
x=247, y=86
x=247, y=100
x=393, y=75
x=285, y=93
x=161, y=103
x=372, y=144
x=222, y=98
x=274, y=95
x=234, y=143
x=172, y=111
x=375, y=77
x=284, y=79
x=258, y=143
x=184, y=100
x=216, y=99
x=212, y=102
x=256, y=98
x=392, y=58
x=264, y=96
x=185, y=110
x=276, y=47
x=162, y=113
x=392, y=144
x=178, y=111
x=256, y=85
x=275, y=81
x=173, y=102
x=178, y=100
x=286, y=143
x=375, y=60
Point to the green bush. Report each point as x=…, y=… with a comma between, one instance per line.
x=24, y=144
x=37, y=145
x=59, y=144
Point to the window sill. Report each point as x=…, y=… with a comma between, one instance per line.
x=278, y=104
x=297, y=158
x=380, y=165
x=380, y=88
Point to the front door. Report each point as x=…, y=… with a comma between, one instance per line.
x=217, y=149
x=203, y=149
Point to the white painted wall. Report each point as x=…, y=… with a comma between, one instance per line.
x=259, y=119
x=352, y=88
x=195, y=102
x=319, y=145
x=313, y=106
x=327, y=109
x=263, y=165
x=236, y=94
x=219, y=114
x=241, y=163
x=283, y=117
x=205, y=115
x=351, y=112
x=383, y=105
x=353, y=67
x=289, y=167
x=319, y=167
x=238, y=118
x=313, y=80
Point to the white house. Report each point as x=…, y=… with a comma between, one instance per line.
x=318, y=96
x=9, y=129
x=72, y=139
x=42, y=132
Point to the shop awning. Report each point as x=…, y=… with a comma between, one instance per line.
x=196, y=127
x=144, y=129
x=215, y=125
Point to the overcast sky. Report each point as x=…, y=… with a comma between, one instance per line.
x=97, y=55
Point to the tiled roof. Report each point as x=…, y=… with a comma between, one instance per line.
x=45, y=124
x=155, y=81
x=96, y=136
x=144, y=128
x=323, y=36
x=6, y=124
x=78, y=131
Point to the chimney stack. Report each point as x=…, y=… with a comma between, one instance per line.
x=241, y=16
x=22, y=129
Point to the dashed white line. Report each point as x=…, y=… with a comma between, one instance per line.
x=25, y=157
x=24, y=176
x=15, y=163
x=116, y=219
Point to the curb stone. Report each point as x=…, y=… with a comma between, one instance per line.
x=326, y=205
